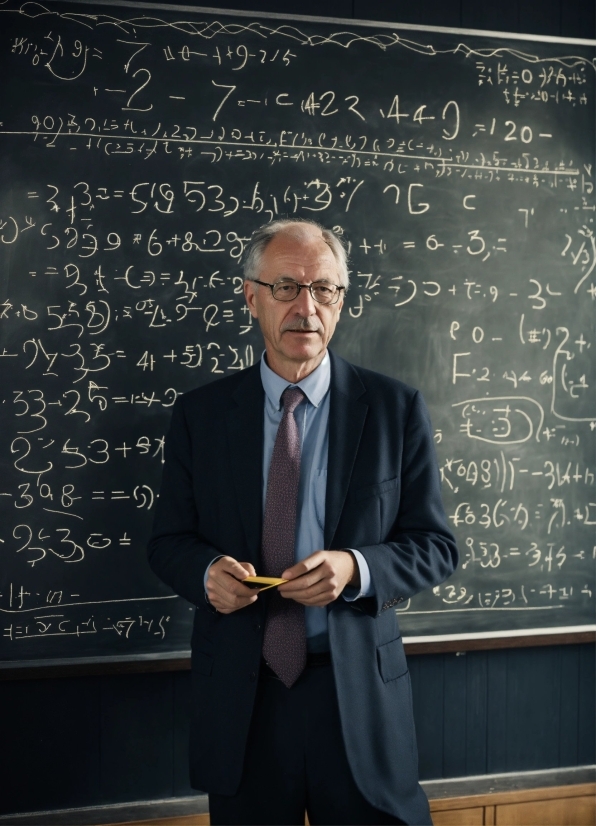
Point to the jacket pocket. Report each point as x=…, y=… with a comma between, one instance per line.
x=391, y=659
x=376, y=489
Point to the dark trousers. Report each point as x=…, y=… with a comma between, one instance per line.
x=295, y=760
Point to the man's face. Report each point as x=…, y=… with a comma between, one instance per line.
x=296, y=332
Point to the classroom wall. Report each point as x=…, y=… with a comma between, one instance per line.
x=96, y=740
x=104, y=739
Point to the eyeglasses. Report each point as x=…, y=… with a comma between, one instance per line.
x=321, y=292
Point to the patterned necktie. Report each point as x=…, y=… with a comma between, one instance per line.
x=284, y=646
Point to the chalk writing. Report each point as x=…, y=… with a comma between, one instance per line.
x=137, y=158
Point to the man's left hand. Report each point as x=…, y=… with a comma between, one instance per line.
x=320, y=578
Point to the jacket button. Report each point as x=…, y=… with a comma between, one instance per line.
x=257, y=626
x=253, y=676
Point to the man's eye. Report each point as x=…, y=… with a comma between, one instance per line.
x=285, y=288
x=321, y=289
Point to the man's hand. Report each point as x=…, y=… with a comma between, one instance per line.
x=320, y=578
x=224, y=590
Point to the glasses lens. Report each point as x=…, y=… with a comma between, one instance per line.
x=324, y=293
x=320, y=291
x=285, y=291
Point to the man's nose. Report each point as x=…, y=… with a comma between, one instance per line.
x=306, y=303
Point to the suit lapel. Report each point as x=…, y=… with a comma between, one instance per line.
x=244, y=425
x=347, y=414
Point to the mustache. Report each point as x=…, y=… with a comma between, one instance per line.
x=303, y=325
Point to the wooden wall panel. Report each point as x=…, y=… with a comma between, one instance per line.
x=455, y=703
x=578, y=18
x=476, y=711
x=182, y=701
x=532, y=697
x=49, y=757
x=137, y=735
x=498, y=17
x=496, y=745
x=568, y=717
x=461, y=817
x=567, y=812
x=550, y=806
x=427, y=693
x=586, y=750
x=425, y=12
x=540, y=17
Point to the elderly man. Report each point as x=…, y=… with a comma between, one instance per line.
x=307, y=468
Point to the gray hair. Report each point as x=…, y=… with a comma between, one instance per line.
x=262, y=236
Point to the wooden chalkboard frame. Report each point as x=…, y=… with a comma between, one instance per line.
x=181, y=661
x=306, y=18
x=37, y=669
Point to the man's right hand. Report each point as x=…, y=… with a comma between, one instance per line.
x=224, y=590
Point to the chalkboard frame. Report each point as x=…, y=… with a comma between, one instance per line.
x=150, y=664
x=309, y=18
x=454, y=643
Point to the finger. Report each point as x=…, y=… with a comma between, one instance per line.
x=230, y=575
x=316, y=601
x=230, y=589
x=303, y=582
x=223, y=600
x=304, y=566
x=323, y=587
x=236, y=588
x=231, y=566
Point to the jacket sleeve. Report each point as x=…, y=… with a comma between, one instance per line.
x=177, y=552
x=420, y=551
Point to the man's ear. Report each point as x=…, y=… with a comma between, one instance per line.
x=250, y=294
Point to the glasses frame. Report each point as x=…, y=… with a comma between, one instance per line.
x=308, y=287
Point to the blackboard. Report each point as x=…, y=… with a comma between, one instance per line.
x=140, y=146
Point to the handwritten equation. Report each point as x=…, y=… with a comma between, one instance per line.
x=137, y=159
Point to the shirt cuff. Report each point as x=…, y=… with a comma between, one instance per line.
x=350, y=593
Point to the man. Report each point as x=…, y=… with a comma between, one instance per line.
x=301, y=694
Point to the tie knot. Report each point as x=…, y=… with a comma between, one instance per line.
x=291, y=398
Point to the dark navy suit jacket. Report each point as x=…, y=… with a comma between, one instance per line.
x=383, y=498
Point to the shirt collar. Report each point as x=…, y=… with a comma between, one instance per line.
x=314, y=386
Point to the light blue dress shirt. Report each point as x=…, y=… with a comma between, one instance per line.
x=312, y=417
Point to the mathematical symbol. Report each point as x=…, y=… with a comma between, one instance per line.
x=171, y=356
x=124, y=540
x=124, y=449
x=364, y=246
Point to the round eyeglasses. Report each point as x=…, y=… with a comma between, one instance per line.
x=321, y=291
